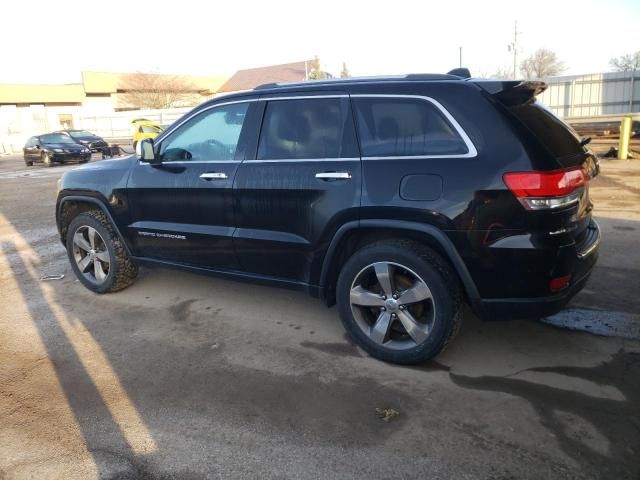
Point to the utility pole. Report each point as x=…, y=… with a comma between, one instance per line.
x=513, y=47
x=460, y=64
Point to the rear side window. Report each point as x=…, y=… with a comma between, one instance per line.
x=306, y=129
x=390, y=127
x=558, y=137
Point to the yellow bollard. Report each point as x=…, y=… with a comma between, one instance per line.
x=625, y=138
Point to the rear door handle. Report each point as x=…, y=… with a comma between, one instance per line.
x=333, y=175
x=214, y=176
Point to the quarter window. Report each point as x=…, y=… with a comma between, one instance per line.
x=404, y=127
x=307, y=128
x=212, y=135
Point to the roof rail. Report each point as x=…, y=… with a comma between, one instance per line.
x=388, y=78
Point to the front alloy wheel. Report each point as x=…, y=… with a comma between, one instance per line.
x=91, y=254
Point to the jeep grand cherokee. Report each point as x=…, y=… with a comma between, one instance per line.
x=398, y=198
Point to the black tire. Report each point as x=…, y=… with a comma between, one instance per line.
x=122, y=270
x=46, y=159
x=433, y=270
x=28, y=163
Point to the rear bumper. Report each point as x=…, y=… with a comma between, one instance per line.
x=578, y=261
x=529, y=308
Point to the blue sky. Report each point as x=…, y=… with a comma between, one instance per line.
x=51, y=42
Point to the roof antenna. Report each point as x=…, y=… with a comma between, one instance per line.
x=460, y=72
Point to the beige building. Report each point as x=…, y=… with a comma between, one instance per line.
x=31, y=109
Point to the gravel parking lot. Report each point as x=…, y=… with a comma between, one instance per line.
x=189, y=377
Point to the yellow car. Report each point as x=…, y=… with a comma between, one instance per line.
x=144, y=129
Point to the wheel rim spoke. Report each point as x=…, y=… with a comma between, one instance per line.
x=380, y=329
x=416, y=331
x=98, y=272
x=78, y=239
x=417, y=293
x=84, y=263
x=384, y=274
x=103, y=257
x=365, y=298
x=92, y=236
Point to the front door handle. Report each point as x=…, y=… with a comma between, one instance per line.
x=333, y=175
x=214, y=176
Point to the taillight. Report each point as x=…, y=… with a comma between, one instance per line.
x=547, y=190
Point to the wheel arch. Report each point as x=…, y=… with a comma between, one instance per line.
x=354, y=235
x=71, y=206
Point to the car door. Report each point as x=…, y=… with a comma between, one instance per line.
x=302, y=184
x=181, y=208
x=30, y=150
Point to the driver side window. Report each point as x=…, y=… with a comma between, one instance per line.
x=211, y=135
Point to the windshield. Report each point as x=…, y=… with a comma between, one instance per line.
x=56, y=138
x=80, y=133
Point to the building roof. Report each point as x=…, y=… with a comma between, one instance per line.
x=252, y=77
x=11, y=93
x=111, y=82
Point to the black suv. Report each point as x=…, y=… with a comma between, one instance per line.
x=397, y=198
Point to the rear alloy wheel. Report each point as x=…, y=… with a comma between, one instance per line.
x=400, y=301
x=392, y=305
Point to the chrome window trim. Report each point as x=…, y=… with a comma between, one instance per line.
x=471, y=149
x=283, y=160
x=304, y=97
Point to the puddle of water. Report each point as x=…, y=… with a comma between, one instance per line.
x=598, y=322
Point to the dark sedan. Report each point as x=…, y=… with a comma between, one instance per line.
x=87, y=139
x=54, y=148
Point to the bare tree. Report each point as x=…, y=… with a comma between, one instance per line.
x=145, y=90
x=315, y=70
x=542, y=63
x=502, y=73
x=345, y=71
x=626, y=63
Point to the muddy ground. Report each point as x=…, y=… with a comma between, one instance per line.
x=188, y=377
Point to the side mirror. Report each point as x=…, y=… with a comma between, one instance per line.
x=145, y=150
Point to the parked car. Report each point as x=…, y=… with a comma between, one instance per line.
x=54, y=148
x=399, y=199
x=90, y=140
x=144, y=128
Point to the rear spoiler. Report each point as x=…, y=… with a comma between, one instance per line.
x=510, y=92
